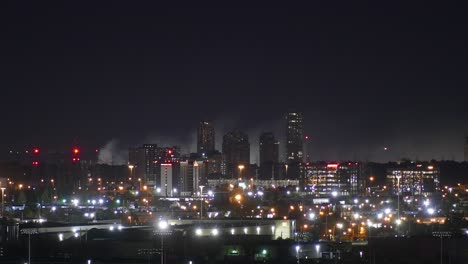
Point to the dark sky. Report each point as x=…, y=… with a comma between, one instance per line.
x=367, y=76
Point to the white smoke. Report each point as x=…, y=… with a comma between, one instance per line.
x=112, y=154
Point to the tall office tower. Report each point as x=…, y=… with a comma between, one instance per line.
x=269, y=157
x=206, y=137
x=269, y=148
x=466, y=149
x=143, y=161
x=166, y=180
x=294, y=137
x=236, y=151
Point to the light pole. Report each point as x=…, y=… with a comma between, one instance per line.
x=441, y=235
x=298, y=248
x=398, y=197
x=29, y=232
x=162, y=230
x=3, y=199
x=131, y=171
x=201, y=201
x=241, y=167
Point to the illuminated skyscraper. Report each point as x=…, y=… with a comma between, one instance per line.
x=206, y=137
x=294, y=137
x=166, y=180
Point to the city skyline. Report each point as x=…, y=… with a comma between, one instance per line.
x=365, y=77
x=116, y=151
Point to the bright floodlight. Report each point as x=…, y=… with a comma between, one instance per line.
x=215, y=232
x=111, y=228
x=379, y=216
x=233, y=231
x=162, y=224
x=311, y=216
x=198, y=232
x=334, y=193
x=297, y=248
x=398, y=221
x=60, y=237
x=356, y=216
x=430, y=211
x=317, y=247
x=387, y=211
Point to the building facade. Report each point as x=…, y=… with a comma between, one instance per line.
x=414, y=179
x=269, y=156
x=333, y=178
x=206, y=137
x=147, y=159
x=294, y=137
x=166, y=180
x=236, y=151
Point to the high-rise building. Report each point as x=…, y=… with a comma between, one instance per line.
x=147, y=159
x=206, y=137
x=294, y=137
x=466, y=149
x=236, y=151
x=166, y=180
x=143, y=161
x=269, y=149
x=189, y=177
x=269, y=157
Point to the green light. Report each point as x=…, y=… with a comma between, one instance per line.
x=264, y=252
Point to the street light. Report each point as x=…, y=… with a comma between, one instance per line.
x=3, y=197
x=398, y=197
x=29, y=232
x=297, y=252
x=201, y=201
x=162, y=230
x=241, y=167
x=441, y=234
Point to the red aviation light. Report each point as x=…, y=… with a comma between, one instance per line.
x=36, y=151
x=76, y=151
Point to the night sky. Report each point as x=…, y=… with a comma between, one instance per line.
x=366, y=76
